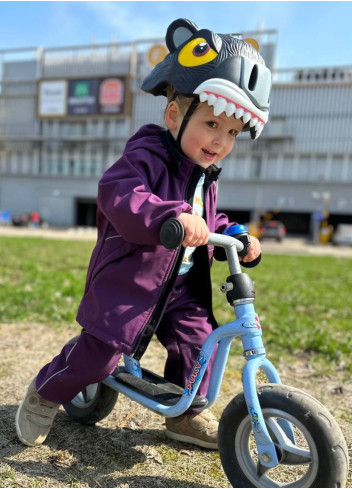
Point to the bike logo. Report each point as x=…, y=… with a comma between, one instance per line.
x=255, y=419
x=193, y=379
x=252, y=324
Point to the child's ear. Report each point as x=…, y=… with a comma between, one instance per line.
x=171, y=116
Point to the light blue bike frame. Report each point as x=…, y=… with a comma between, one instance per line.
x=246, y=326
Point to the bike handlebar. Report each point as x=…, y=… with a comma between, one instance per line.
x=172, y=235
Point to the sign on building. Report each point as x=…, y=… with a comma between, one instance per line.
x=83, y=97
x=52, y=98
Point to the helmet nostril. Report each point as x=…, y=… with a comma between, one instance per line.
x=253, y=78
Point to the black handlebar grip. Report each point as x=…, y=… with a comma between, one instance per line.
x=172, y=233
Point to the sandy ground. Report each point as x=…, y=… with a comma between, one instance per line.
x=129, y=448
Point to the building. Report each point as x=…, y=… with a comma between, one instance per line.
x=57, y=136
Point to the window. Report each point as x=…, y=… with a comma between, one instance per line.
x=337, y=167
x=320, y=166
x=277, y=126
x=304, y=164
x=349, y=170
x=289, y=168
x=272, y=168
x=255, y=167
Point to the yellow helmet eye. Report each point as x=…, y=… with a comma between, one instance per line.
x=197, y=52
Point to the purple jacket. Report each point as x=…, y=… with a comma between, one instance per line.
x=130, y=273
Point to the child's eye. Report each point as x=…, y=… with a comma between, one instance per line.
x=211, y=123
x=233, y=132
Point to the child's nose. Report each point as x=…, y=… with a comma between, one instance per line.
x=219, y=138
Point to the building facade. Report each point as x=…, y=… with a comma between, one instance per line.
x=66, y=113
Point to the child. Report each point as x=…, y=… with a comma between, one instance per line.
x=217, y=86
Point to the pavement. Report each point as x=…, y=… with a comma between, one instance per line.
x=289, y=246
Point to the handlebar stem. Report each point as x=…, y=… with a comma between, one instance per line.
x=232, y=246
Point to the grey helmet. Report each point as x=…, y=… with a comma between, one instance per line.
x=226, y=72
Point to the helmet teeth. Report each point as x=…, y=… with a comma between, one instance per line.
x=247, y=117
x=230, y=109
x=211, y=99
x=258, y=125
x=259, y=131
x=239, y=113
x=219, y=106
x=203, y=97
x=253, y=122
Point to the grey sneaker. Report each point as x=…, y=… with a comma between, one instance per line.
x=201, y=430
x=34, y=417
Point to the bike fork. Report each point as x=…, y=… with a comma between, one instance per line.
x=254, y=353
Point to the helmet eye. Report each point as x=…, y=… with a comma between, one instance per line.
x=196, y=52
x=201, y=49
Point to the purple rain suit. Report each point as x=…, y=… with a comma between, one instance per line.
x=132, y=283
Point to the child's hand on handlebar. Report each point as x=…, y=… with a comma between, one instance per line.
x=196, y=230
x=254, y=251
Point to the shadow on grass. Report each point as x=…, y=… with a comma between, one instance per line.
x=75, y=455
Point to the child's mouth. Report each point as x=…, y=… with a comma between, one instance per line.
x=208, y=154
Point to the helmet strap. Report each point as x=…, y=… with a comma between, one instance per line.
x=187, y=117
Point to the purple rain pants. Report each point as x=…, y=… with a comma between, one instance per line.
x=183, y=329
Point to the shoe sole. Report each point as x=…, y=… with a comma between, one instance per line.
x=191, y=439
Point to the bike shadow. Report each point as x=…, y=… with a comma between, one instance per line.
x=88, y=455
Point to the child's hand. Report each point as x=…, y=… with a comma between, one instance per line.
x=253, y=251
x=196, y=230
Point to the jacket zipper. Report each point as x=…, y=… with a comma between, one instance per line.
x=152, y=325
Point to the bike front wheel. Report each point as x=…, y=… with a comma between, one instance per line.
x=317, y=457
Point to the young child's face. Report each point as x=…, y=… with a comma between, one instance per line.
x=207, y=139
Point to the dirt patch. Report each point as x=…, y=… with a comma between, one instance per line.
x=129, y=448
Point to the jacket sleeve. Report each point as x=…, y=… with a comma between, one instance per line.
x=221, y=222
x=127, y=201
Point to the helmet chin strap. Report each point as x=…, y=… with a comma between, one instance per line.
x=187, y=117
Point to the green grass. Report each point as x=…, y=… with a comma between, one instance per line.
x=304, y=303
x=42, y=280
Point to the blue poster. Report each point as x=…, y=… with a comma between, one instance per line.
x=82, y=97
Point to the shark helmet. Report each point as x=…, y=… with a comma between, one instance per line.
x=226, y=72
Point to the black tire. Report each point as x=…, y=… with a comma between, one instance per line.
x=92, y=404
x=315, y=430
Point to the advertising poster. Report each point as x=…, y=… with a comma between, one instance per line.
x=52, y=98
x=82, y=97
x=112, y=96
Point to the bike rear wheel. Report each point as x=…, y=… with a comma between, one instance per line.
x=318, y=458
x=94, y=403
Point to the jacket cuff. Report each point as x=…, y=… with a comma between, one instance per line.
x=251, y=264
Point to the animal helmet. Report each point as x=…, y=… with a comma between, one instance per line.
x=226, y=72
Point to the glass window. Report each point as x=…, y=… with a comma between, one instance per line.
x=288, y=168
x=255, y=167
x=227, y=166
x=272, y=168
x=320, y=166
x=93, y=162
x=276, y=126
x=337, y=167
x=349, y=169
x=240, y=168
x=304, y=164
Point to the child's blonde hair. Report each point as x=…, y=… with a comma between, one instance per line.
x=182, y=101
